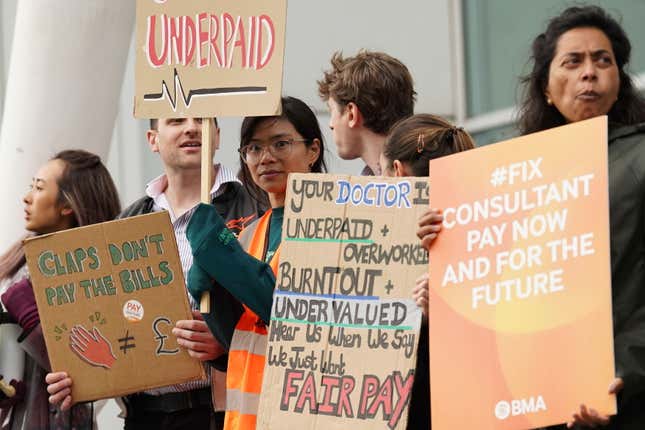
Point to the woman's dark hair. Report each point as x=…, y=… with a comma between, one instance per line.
x=306, y=124
x=535, y=113
x=86, y=187
x=423, y=137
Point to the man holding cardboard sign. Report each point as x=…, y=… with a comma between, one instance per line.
x=178, y=143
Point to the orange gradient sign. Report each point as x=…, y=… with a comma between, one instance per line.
x=520, y=283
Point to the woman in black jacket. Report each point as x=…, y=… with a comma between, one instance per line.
x=579, y=72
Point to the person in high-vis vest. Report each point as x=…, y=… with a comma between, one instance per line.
x=240, y=276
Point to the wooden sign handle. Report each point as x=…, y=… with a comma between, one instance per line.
x=207, y=180
x=7, y=389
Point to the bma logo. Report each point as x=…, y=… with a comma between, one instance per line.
x=504, y=409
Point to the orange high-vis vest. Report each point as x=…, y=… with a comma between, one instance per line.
x=249, y=344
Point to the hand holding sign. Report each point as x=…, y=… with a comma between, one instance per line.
x=429, y=226
x=420, y=293
x=59, y=387
x=195, y=336
x=92, y=347
x=590, y=417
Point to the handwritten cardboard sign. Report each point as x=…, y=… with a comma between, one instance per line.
x=344, y=326
x=108, y=296
x=200, y=58
x=520, y=299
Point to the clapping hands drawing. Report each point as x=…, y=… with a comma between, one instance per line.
x=91, y=347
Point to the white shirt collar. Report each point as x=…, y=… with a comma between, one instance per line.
x=156, y=189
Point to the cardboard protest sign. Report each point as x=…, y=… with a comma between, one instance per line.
x=200, y=58
x=344, y=327
x=108, y=296
x=520, y=283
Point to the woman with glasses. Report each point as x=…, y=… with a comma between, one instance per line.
x=244, y=272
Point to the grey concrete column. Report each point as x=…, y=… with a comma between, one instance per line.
x=65, y=75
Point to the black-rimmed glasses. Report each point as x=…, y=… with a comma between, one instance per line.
x=252, y=153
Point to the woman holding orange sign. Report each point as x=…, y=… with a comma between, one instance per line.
x=579, y=72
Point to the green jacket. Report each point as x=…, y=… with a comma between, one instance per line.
x=627, y=229
x=222, y=267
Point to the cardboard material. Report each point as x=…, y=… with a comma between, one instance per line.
x=108, y=296
x=344, y=327
x=201, y=58
x=520, y=282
